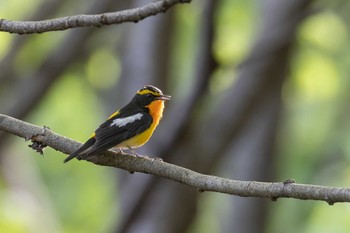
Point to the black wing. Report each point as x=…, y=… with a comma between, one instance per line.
x=109, y=135
x=84, y=147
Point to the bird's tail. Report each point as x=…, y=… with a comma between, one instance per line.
x=81, y=150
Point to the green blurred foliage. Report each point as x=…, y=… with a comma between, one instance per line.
x=102, y=69
x=5, y=40
x=71, y=109
x=75, y=114
x=35, y=51
x=235, y=25
x=236, y=28
x=314, y=129
x=187, y=30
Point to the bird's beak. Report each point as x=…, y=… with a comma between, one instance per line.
x=163, y=97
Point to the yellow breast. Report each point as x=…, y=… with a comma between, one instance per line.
x=156, y=111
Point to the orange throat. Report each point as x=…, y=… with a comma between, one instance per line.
x=156, y=111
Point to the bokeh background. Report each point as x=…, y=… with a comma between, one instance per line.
x=260, y=92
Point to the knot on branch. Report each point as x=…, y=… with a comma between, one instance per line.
x=38, y=147
x=37, y=143
x=103, y=20
x=288, y=181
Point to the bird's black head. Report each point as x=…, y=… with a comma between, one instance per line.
x=148, y=94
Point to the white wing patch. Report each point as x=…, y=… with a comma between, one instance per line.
x=120, y=122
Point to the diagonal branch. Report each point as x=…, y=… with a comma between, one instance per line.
x=97, y=20
x=273, y=190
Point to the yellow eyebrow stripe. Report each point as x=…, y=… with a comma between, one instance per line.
x=146, y=91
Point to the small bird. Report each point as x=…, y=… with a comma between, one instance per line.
x=130, y=127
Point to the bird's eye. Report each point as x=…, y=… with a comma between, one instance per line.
x=149, y=95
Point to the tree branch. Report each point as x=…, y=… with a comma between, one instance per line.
x=97, y=20
x=274, y=190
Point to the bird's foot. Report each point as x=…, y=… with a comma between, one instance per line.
x=118, y=150
x=136, y=154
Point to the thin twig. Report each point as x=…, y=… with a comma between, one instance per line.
x=273, y=190
x=97, y=20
